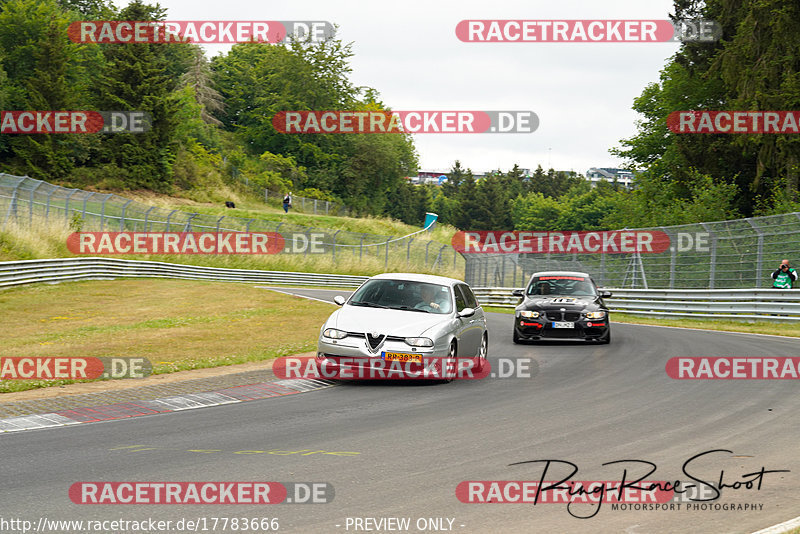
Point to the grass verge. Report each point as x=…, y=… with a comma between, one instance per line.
x=48, y=240
x=750, y=327
x=176, y=324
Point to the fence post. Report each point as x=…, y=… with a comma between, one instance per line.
x=103, y=212
x=47, y=209
x=334, y=246
x=315, y=206
x=386, y=262
x=85, y=199
x=408, y=251
x=122, y=216
x=759, y=251
x=66, y=205
x=426, y=252
x=304, y=204
x=13, y=204
x=247, y=227
x=30, y=202
x=361, y=247
x=170, y=216
x=188, y=227
x=219, y=221
x=326, y=207
x=146, y=215
x=439, y=256
x=712, y=267
x=673, y=263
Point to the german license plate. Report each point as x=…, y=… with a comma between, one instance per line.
x=401, y=357
x=563, y=324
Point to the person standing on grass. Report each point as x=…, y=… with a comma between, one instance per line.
x=287, y=202
x=784, y=276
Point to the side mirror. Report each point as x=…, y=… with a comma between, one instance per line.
x=338, y=299
x=467, y=312
x=518, y=293
x=605, y=294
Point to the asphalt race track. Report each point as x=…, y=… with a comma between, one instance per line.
x=588, y=404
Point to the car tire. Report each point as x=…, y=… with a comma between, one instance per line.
x=517, y=339
x=452, y=355
x=483, y=351
x=605, y=340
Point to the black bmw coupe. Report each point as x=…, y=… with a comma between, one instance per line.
x=561, y=305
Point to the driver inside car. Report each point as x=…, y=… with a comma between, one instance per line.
x=432, y=299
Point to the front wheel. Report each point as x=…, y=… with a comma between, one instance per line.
x=484, y=350
x=449, y=365
x=517, y=339
x=605, y=340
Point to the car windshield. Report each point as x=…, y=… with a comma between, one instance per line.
x=562, y=285
x=403, y=295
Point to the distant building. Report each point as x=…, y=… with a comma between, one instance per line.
x=429, y=177
x=622, y=176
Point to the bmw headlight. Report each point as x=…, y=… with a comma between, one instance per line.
x=419, y=341
x=596, y=315
x=334, y=333
x=529, y=314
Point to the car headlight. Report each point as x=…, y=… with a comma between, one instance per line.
x=529, y=314
x=334, y=333
x=419, y=341
x=596, y=315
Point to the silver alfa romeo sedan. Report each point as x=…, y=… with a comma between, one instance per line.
x=407, y=318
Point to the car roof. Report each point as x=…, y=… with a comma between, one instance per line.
x=561, y=273
x=416, y=277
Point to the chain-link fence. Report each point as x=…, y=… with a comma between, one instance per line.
x=25, y=200
x=741, y=253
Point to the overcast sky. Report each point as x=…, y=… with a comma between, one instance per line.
x=408, y=51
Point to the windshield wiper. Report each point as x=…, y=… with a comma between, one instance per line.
x=409, y=308
x=369, y=305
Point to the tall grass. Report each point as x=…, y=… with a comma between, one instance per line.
x=48, y=240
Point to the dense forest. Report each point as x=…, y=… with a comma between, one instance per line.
x=212, y=124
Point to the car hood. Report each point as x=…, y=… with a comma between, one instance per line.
x=555, y=301
x=390, y=322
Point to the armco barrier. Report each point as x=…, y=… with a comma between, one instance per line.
x=765, y=304
x=14, y=273
x=716, y=303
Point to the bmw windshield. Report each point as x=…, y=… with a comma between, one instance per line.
x=577, y=286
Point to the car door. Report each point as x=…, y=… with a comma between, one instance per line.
x=471, y=327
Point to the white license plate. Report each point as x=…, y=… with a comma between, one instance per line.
x=563, y=324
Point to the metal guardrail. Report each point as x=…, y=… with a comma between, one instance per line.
x=15, y=273
x=716, y=303
x=765, y=304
